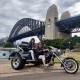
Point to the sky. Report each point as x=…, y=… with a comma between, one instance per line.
x=13, y=10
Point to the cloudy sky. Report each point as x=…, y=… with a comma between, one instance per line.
x=13, y=10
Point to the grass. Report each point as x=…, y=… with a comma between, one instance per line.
x=75, y=55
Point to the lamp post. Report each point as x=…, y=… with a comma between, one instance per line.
x=69, y=45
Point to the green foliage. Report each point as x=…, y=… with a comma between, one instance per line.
x=62, y=43
x=47, y=42
x=8, y=44
x=1, y=45
x=56, y=42
x=77, y=47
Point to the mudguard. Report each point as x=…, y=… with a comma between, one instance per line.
x=22, y=55
x=13, y=54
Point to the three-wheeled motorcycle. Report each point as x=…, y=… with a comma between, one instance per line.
x=21, y=56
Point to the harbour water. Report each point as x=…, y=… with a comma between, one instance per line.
x=4, y=54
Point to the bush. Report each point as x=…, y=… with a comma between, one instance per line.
x=77, y=47
x=63, y=43
x=8, y=44
x=55, y=42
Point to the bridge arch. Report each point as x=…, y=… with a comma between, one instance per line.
x=28, y=24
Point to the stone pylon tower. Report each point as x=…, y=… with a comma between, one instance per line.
x=64, y=15
x=50, y=27
x=51, y=30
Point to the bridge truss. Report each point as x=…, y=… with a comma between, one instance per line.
x=70, y=25
x=27, y=27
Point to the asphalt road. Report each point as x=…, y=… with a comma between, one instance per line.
x=45, y=76
x=31, y=72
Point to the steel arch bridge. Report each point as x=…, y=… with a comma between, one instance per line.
x=27, y=27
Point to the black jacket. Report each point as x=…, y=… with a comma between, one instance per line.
x=40, y=51
x=31, y=45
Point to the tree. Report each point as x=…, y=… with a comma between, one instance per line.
x=77, y=47
x=47, y=42
x=8, y=44
x=63, y=43
x=55, y=42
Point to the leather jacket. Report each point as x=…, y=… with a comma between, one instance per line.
x=31, y=45
x=40, y=51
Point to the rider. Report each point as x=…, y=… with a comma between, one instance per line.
x=32, y=47
x=40, y=52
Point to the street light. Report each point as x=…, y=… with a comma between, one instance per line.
x=69, y=45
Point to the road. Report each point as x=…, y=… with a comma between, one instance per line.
x=31, y=72
x=45, y=76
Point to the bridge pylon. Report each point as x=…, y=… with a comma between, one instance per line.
x=51, y=30
x=64, y=16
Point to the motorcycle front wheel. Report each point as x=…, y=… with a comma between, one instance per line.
x=71, y=65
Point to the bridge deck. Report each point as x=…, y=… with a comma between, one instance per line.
x=68, y=25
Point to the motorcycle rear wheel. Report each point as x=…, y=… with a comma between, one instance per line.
x=17, y=63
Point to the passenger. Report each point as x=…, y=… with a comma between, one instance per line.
x=32, y=47
x=40, y=52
